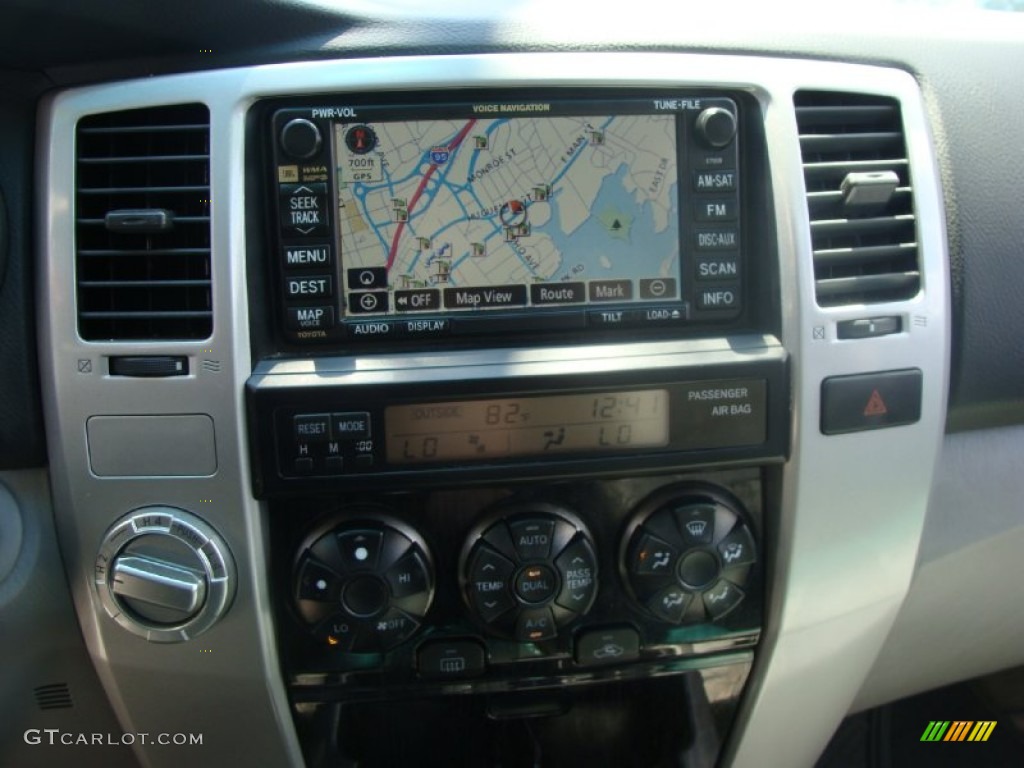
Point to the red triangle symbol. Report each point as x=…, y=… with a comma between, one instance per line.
x=875, y=406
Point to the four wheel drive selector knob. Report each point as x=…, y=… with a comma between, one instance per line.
x=363, y=584
x=529, y=572
x=688, y=554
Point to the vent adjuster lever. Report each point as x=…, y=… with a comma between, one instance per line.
x=873, y=189
x=145, y=220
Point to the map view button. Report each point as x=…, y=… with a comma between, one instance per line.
x=480, y=298
x=417, y=301
x=611, y=290
x=558, y=293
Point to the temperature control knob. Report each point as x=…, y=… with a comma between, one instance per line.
x=164, y=574
x=529, y=572
x=363, y=584
x=688, y=555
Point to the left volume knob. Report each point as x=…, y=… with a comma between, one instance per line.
x=164, y=574
x=300, y=138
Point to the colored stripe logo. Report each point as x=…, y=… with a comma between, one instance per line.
x=958, y=730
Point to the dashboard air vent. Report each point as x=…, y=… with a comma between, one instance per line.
x=142, y=226
x=859, y=198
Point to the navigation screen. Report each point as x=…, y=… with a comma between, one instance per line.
x=483, y=212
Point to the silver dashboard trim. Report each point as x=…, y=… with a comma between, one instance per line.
x=845, y=548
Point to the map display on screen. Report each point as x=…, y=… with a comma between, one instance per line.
x=482, y=212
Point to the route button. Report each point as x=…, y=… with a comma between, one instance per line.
x=422, y=300
x=558, y=293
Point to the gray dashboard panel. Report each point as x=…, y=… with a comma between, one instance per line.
x=859, y=547
x=962, y=617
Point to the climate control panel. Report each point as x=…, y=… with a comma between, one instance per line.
x=494, y=581
x=363, y=585
x=530, y=572
x=688, y=556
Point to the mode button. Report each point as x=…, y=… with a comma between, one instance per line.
x=351, y=426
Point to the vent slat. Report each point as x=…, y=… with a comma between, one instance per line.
x=867, y=285
x=108, y=130
x=141, y=190
x=865, y=114
x=165, y=315
x=143, y=283
x=849, y=142
x=142, y=159
x=863, y=252
x=847, y=256
x=177, y=220
x=105, y=253
x=135, y=285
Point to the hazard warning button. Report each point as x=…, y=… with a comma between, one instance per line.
x=870, y=401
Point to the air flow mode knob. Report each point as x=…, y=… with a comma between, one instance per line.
x=688, y=555
x=363, y=583
x=529, y=571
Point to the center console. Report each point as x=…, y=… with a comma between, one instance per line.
x=518, y=412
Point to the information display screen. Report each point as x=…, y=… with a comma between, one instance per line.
x=480, y=430
x=507, y=207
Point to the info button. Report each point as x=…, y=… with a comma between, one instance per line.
x=351, y=426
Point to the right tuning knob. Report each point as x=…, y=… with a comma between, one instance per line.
x=688, y=555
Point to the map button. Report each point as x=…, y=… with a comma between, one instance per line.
x=310, y=318
x=364, y=303
x=558, y=293
x=367, y=278
x=658, y=288
x=611, y=290
x=426, y=299
x=480, y=298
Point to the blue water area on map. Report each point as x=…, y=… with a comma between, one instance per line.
x=640, y=254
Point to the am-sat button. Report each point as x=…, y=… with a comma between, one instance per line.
x=351, y=426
